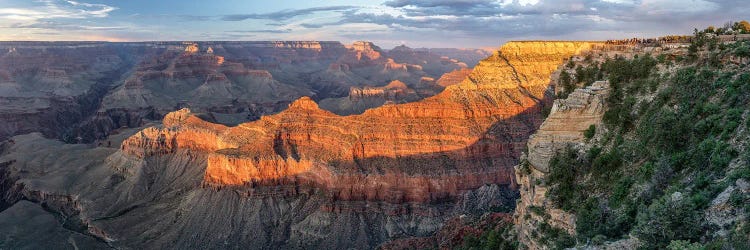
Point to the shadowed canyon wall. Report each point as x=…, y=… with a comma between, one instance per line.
x=305, y=177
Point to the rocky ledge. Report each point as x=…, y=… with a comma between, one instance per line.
x=565, y=125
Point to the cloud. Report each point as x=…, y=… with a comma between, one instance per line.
x=193, y=18
x=60, y=19
x=448, y=22
x=286, y=14
x=273, y=31
x=488, y=22
x=49, y=9
x=543, y=18
x=52, y=25
x=95, y=10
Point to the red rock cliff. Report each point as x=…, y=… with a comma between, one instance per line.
x=469, y=135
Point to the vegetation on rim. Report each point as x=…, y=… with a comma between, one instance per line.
x=675, y=137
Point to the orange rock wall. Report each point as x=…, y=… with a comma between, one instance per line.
x=469, y=135
x=453, y=77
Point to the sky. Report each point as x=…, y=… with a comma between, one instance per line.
x=388, y=23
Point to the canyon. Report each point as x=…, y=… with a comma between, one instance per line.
x=304, y=176
x=84, y=91
x=320, y=145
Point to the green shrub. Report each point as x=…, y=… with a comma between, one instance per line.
x=742, y=51
x=590, y=132
x=667, y=219
x=525, y=167
x=598, y=239
x=490, y=239
x=621, y=191
x=662, y=58
x=556, y=238
x=684, y=245
x=562, y=178
x=596, y=219
x=736, y=198
x=606, y=165
x=567, y=83
x=539, y=211
x=676, y=141
x=587, y=75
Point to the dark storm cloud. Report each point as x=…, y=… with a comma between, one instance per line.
x=285, y=14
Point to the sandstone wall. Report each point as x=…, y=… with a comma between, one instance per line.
x=564, y=126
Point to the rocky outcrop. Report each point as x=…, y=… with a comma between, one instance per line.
x=191, y=48
x=363, y=53
x=564, y=126
x=453, y=77
x=393, y=91
x=722, y=214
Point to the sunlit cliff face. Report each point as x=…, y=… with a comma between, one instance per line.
x=469, y=135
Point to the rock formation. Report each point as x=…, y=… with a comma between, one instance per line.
x=565, y=125
x=191, y=48
x=389, y=92
x=453, y=77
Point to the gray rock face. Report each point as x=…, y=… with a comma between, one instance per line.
x=724, y=215
x=26, y=225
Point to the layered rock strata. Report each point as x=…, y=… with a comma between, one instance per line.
x=453, y=77
x=393, y=91
x=305, y=177
x=564, y=126
x=473, y=130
